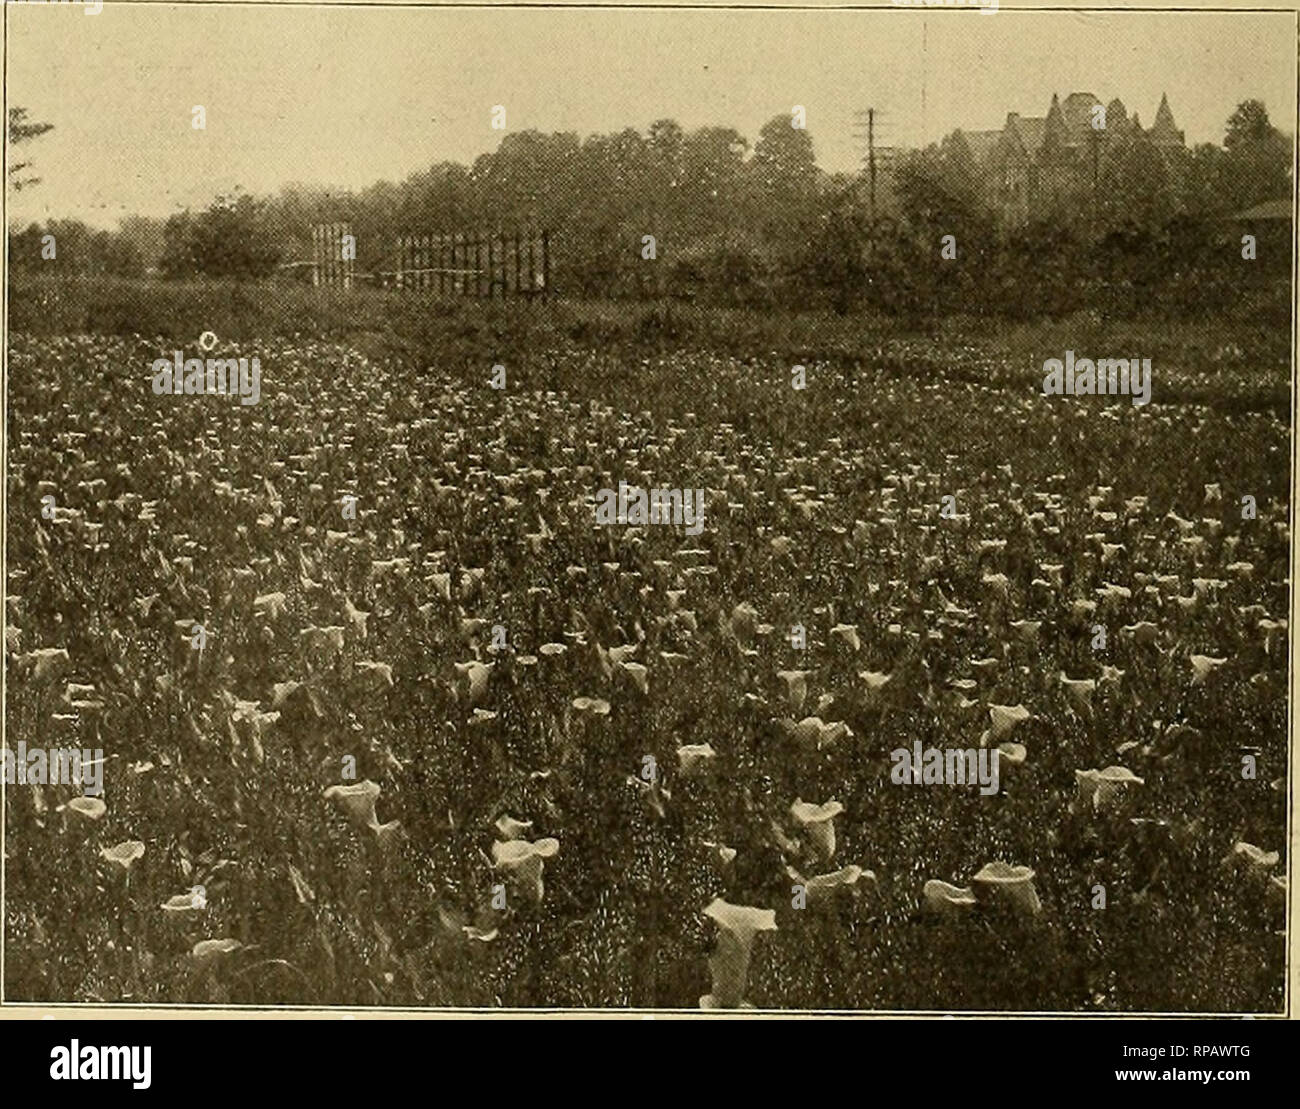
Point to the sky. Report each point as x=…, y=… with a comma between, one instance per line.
x=345, y=97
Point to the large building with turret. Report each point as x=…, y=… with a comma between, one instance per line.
x=1035, y=166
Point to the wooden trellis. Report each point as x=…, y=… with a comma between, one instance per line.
x=476, y=264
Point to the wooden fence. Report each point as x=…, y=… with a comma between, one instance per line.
x=332, y=264
x=478, y=264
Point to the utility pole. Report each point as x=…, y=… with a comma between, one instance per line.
x=865, y=131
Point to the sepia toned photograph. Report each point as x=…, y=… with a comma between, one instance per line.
x=631, y=509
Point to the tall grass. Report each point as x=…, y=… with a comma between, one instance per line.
x=1239, y=359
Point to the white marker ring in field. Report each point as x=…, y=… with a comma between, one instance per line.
x=203, y=340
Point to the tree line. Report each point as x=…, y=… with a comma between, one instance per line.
x=707, y=215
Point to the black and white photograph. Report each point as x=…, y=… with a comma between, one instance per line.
x=537, y=509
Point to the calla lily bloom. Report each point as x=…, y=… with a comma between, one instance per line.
x=1013, y=754
x=47, y=663
x=522, y=862
x=816, y=821
x=1102, y=789
x=943, y=899
x=124, y=854
x=638, y=674
x=796, y=686
x=1004, y=719
x=1013, y=885
x=270, y=606
x=619, y=656
x=999, y=583
x=848, y=633
x=207, y=952
x=477, y=674
x=813, y=731
x=1254, y=861
x=1203, y=666
x=721, y=853
x=1271, y=628
x=89, y=808
x=1079, y=690
x=729, y=963
x=358, y=803
x=511, y=828
x=821, y=887
x=356, y=617
x=693, y=758
x=191, y=902
x=875, y=682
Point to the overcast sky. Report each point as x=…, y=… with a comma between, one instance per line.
x=345, y=97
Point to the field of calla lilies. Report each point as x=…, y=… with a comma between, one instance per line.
x=465, y=747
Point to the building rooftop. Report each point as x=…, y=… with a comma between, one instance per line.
x=1279, y=209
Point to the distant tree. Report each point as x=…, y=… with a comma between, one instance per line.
x=177, y=258
x=76, y=249
x=1201, y=179
x=665, y=144
x=942, y=212
x=1258, y=162
x=1249, y=123
x=665, y=141
x=25, y=247
x=231, y=238
x=145, y=236
x=21, y=130
x=117, y=254
x=835, y=259
x=783, y=161
x=712, y=163
x=1136, y=187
